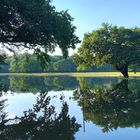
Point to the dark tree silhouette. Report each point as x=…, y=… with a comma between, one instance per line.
x=35, y=25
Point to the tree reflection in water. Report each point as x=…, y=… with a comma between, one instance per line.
x=110, y=108
x=39, y=123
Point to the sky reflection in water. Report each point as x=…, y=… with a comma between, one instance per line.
x=72, y=108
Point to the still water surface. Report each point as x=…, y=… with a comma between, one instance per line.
x=67, y=108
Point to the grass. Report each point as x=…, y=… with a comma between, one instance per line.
x=76, y=74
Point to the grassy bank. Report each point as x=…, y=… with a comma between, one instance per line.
x=81, y=74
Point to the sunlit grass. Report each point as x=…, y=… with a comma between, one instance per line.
x=76, y=74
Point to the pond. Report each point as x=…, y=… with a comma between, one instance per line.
x=69, y=108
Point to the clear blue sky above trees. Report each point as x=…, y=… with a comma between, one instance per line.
x=90, y=14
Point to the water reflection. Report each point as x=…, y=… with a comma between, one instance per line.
x=113, y=107
x=36, y=84
x=105, y=103
x=40, y=122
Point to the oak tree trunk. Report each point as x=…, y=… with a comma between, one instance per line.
x=124, y=70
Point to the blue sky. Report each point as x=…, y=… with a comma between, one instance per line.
x=90, y=14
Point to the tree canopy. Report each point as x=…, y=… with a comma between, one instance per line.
x=118, y=46
x=35, y=25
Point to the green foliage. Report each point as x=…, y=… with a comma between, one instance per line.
x=64, y=65
x=113, y=45
x=134, y=67
x=35, y=25
x=24, y=64
x=29, y=63
x=104, y=68
x=50, y=67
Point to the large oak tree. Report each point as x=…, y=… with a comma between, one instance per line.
x=114, y=45
x=35, y=25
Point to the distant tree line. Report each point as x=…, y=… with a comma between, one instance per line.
x=30, y=64
x=23, y=63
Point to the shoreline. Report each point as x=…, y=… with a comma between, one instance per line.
x=75, y=74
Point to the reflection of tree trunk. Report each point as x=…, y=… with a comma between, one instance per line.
x=122, y=85
x=124, y=70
